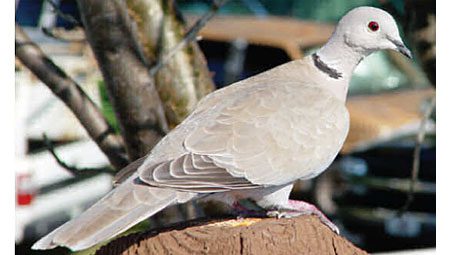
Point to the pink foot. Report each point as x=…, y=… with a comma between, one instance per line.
x=297, y=208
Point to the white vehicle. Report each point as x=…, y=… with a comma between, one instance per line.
x=47, y=194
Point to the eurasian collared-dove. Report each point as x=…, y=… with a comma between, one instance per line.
x=250, y=140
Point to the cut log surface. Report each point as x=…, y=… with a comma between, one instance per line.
x=301, y=235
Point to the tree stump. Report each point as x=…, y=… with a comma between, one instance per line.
x=300, y=235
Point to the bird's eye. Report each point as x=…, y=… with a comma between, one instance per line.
x=373, y=26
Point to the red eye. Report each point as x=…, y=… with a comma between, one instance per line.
x=373, y=26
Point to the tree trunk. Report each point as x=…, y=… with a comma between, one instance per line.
x=131, y=90
x=301, y=235
x=185, y=79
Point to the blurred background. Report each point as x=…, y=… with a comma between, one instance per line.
x=363, y=192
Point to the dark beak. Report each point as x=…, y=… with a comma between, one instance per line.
x=402, y=49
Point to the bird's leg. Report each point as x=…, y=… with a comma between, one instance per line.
x=247, y=208
x=296, y=208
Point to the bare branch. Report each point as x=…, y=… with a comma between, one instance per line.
x=416, y=156
x=51, y=33
x=72, y=169
x=62, y=15
x=72, y=95
x=131, y=90
x=190, y=35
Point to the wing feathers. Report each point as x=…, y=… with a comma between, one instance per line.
x=184, y=174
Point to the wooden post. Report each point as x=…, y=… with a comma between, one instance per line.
x=300, y=235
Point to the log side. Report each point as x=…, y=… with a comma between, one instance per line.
x=301, y=235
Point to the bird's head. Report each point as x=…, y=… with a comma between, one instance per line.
x=368, y=29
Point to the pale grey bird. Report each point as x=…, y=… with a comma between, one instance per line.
x=250, y=140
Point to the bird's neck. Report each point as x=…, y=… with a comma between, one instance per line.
x=337, y=59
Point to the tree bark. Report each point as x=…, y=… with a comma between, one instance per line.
x=185, y=79
x=131, y=90
x=73, y=96
x=301, y=235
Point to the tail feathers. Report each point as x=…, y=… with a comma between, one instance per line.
x=119, y=210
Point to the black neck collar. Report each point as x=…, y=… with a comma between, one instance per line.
x=322, y=66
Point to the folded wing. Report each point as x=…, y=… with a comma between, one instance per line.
x=264, y=135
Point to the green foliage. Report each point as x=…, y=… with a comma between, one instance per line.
x=106, y=107
x=320, y=10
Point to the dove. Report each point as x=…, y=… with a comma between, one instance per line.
x=248, y=141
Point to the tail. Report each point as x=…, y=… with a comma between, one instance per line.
x=123, y=207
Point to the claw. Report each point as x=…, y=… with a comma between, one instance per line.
x=274, y=214
x=298, y=208
x=284, y=214
x=294, y=208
